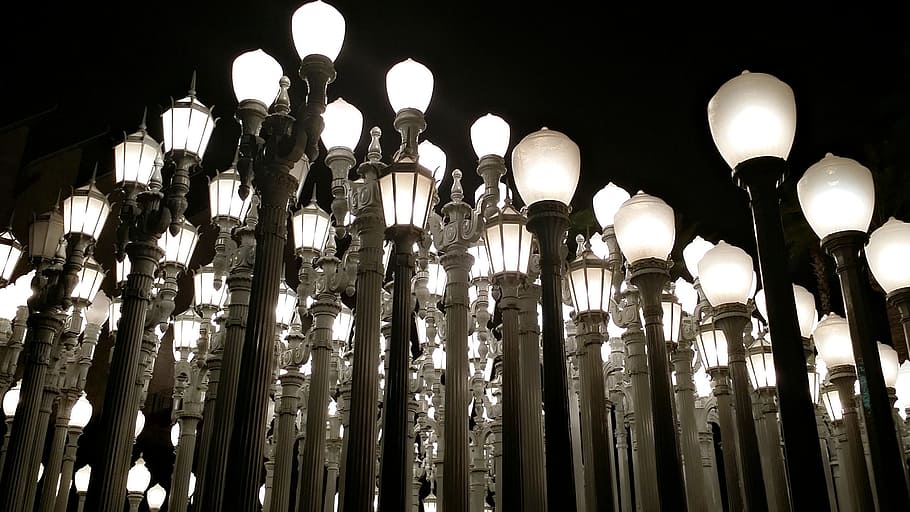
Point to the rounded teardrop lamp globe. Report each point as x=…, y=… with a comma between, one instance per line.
x=11, y=401
x=607, y=202
x=82, y=478
x=687, y=295
x=832, y=339
x=97, y=313
x=409, y=84
x=490, y=136
x=888, y=252
x=255, y=76
x=343, y=125
x=752, y=115
x=546, y=165
x=155, y=496
x=837, y=194
x=503, y=190
x=805, y=310
x=138, y=477
x=140, y=424
x=725, y=274
x=433, y=158
x=317, y=29
x=81, y=413
x=890, y=365
x=645, y=228
x=694, y=252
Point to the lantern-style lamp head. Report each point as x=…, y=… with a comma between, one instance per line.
x=44, y=235
x=490, y=136
x=694, y=252
x=481, y=266
x=98, y=312
x=409, y=84
x=645, y=228
x=224, y=196
x=317, y=29
x=672, y=317
x=81, y=413
x=712, y=345
x=134, y=158
x=436, y=279
x=439, y=358
x=508, y=242
x=85, y=212
x=10, y=251
x=187, y=125
x=178, y=249
x=888, y=252
x=725, y=274
x=343, y=125
x=837, y=194
x=433, y=158
x=760, y=363
x=113, y=317
x=546, y=165
x=407, y=193
x=186, y=333
x=81, y=479
x=155, y=497
x=255, y=75
x=590, y=280
x=11, y=400
x=90, y=278
x=607, y=202
x=204, y=291
x=138, y=477
x=832, y=339
x=287, y=304
x=890, y=366
x=311, y=228
x=752, y=115
x=833, y=405
x=344, y=322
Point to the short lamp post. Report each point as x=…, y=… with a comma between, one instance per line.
x=645, y=230
x=832, y=339
x=79, y=417
x=725, y=275
x=752, y=119
x=546, y=166
x=155, y=497
x=137, y=481
x=407, y=190
x=837, y=197
x=80, y=481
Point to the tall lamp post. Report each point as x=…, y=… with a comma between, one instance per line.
x=752, y=118
x=645, y=229
x=79, y=418
x=837, y=197
x=407, y=190
x=546, y=166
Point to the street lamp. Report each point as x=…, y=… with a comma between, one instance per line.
x=752, y=119
x=137, y=481
x=343, y=128
x=837, y=196
x=645, y=230
x=887, y=252
x=81, y=481
x=155, y=497
x=10, y=251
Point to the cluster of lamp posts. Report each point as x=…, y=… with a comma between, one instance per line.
x=260, y=366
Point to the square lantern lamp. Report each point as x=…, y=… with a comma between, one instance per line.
x=286, y=305
x=135, y=159
x=760, y=363
x=90, y=278
x=178, y=249
x=44, y=235
x=311, y=229
x=712, y=345
x=10, y=251
x=833, y=406
x=186, y=333
x=187, y=126
x=407, y=192
x=224, y=197
x=508, y=242
x=590, y=280
x=344, y=323
x=85, y=211
x=204, y=291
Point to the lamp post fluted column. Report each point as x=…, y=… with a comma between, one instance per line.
x=843, y=378
x=286, y=411
x=66, y=468
x=685, y=409
x=769, y=436
x=533, y=458
x=589, y=341
x=511, y=497
x=720, y=385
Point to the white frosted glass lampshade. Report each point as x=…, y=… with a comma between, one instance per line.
x=805, y=310
x=672, y=318
x=187, y=126
x=224, y=196
x=433, y=158
x=590, y=281
x=760, y=364
x=90, y=278
x=82, y=478
x=262, y=495
x=134, y=158
x=439, y=358
x=9, y=306
x=837, y=194
x=343, y=125
x=598, y=246
x=490, y=136
x=481, y=266
x=645, y=228
x=436, y=279
x=546, y=165
x=888, y=252
x=85, y=211
x=902, y=386
x=175, y=434
x=712, y=345
x=832, y=339
x=752, y=115
x=155, y=496
x=725, y=274
x=204, y=292
x=508, y=242
x=44, y=235
x=113, y=317
x=503, y=192
x=178, y=249
x=890, y=365
x=186, y=331
x=344, y=322
x=255, y=75
x=406, y=196
x=138, y=477
x=11, y=400
x=81, y=412
x=191, y=484
x=607, y=202
x=693, y=253
x=409, y=84
x=318, y=29
x=123, y=270
x=702, y=383
x=287, y=304
x=311, y=228
x=140, y=424
x=687, y=295
x=97, y=313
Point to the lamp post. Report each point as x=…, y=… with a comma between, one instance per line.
x=591, y=282
x=837, y=197
x=81, y=481
x=832, y=339
x=189, y=388
x=137, y=481
x=725, y=275
x=269, y=158
x=79, y=417
x=645, y=230
x=546, y=165
x=13, y=318
x=887, y=249
x=155, y=497
x=752, y=119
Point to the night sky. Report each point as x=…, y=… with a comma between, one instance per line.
x=630, y=88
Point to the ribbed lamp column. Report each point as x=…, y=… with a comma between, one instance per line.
x=285, y=425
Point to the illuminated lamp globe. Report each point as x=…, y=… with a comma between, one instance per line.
x=433, y=158
x=311, y=228
x=224, y=196
x=138, y=477
x=409, y=84
x=687, y=295
x=343, y=125
x=607, y=202
x=832, y=339
x=837, y=194
x=186, y=332
x=481, y=266
x=503, y=191
x=490, y=136
x=902, y=386
x=888, y=252
x=645, y=228
x=546, y=165
x=140, y=424
x=286, y=305
x=890, y=365
x=725, y=274
x=81, y=413
x=834, y=407
x=590, y=281
x=760, y=364
x=255, y=75
x=344, y=323
x=85, y=212
x=191, y=485
x=90, y=278
x=44, y=235
x=407, y=194
x=508, y=242
x=712, y=345
x=806, y=313
x=98, y=312
x=436, y=279
x=317, y=29
x=752, y=115
x=175, y=434
x=178, y=249
x=204, y=291
x=694, y=252
x=135, y=157
x=598, y=246
x=82, y=478
x=11, y=400
x=155, y=497
x=187, y=126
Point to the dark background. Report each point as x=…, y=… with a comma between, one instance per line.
x=629, y=87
